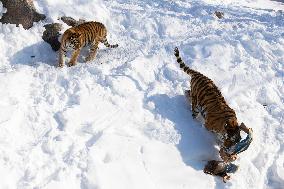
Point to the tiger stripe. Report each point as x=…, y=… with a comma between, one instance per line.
x=105, y=42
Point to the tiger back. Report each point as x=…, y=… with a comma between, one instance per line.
x=85, y=34
x=206, y=99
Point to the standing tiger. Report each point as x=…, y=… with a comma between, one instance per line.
x=75, y=38
x=207, y=100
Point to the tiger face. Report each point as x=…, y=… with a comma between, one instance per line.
x=233, y=133
x=73, y=41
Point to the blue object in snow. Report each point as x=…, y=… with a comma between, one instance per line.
x=231, y=168
x=242, y=145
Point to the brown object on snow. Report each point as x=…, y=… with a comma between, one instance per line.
x=20, y=12
x=71, y=21
x=219, y=14
x=217, y=168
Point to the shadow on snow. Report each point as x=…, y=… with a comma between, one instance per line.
x=37, y=53
x=41, y=53
x=197, y=144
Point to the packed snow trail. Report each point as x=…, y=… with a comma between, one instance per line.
x=122, y=121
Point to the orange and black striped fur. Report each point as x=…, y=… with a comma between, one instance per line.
x=207, y=100
x=75, y=38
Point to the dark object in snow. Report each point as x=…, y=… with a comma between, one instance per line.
x=243, y=144
x=20, y=12
x=219, y=14
x=71, y=21
x=220, y=168
x=51, y=34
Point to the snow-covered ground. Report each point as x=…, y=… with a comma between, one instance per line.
x=122, y=122
x=259, y=4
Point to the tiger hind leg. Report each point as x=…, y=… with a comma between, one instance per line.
x=187, y=94
x=191, y=100
x=93, y=51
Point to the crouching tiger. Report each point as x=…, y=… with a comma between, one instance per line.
x=206, y=99
x=75, y=38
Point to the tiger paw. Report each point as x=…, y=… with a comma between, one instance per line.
x=71, y=64
x=227, y=157
x=233, y=157
x=226, y=178
x=88, y=58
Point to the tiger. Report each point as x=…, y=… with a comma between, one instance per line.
x=77, y=37
x=219, y=118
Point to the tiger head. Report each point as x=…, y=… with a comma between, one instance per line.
x=233, y=132
x=72, y=40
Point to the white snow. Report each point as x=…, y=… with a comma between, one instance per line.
x=122, y=121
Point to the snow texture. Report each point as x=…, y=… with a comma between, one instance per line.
x=122, y=121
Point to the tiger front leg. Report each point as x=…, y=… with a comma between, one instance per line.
x=93, y=52
x=74, y=57
x=194, y=113
x=62, y=55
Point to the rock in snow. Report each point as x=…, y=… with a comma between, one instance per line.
x=71, y=21
x=51, y=35
x=21, y=12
